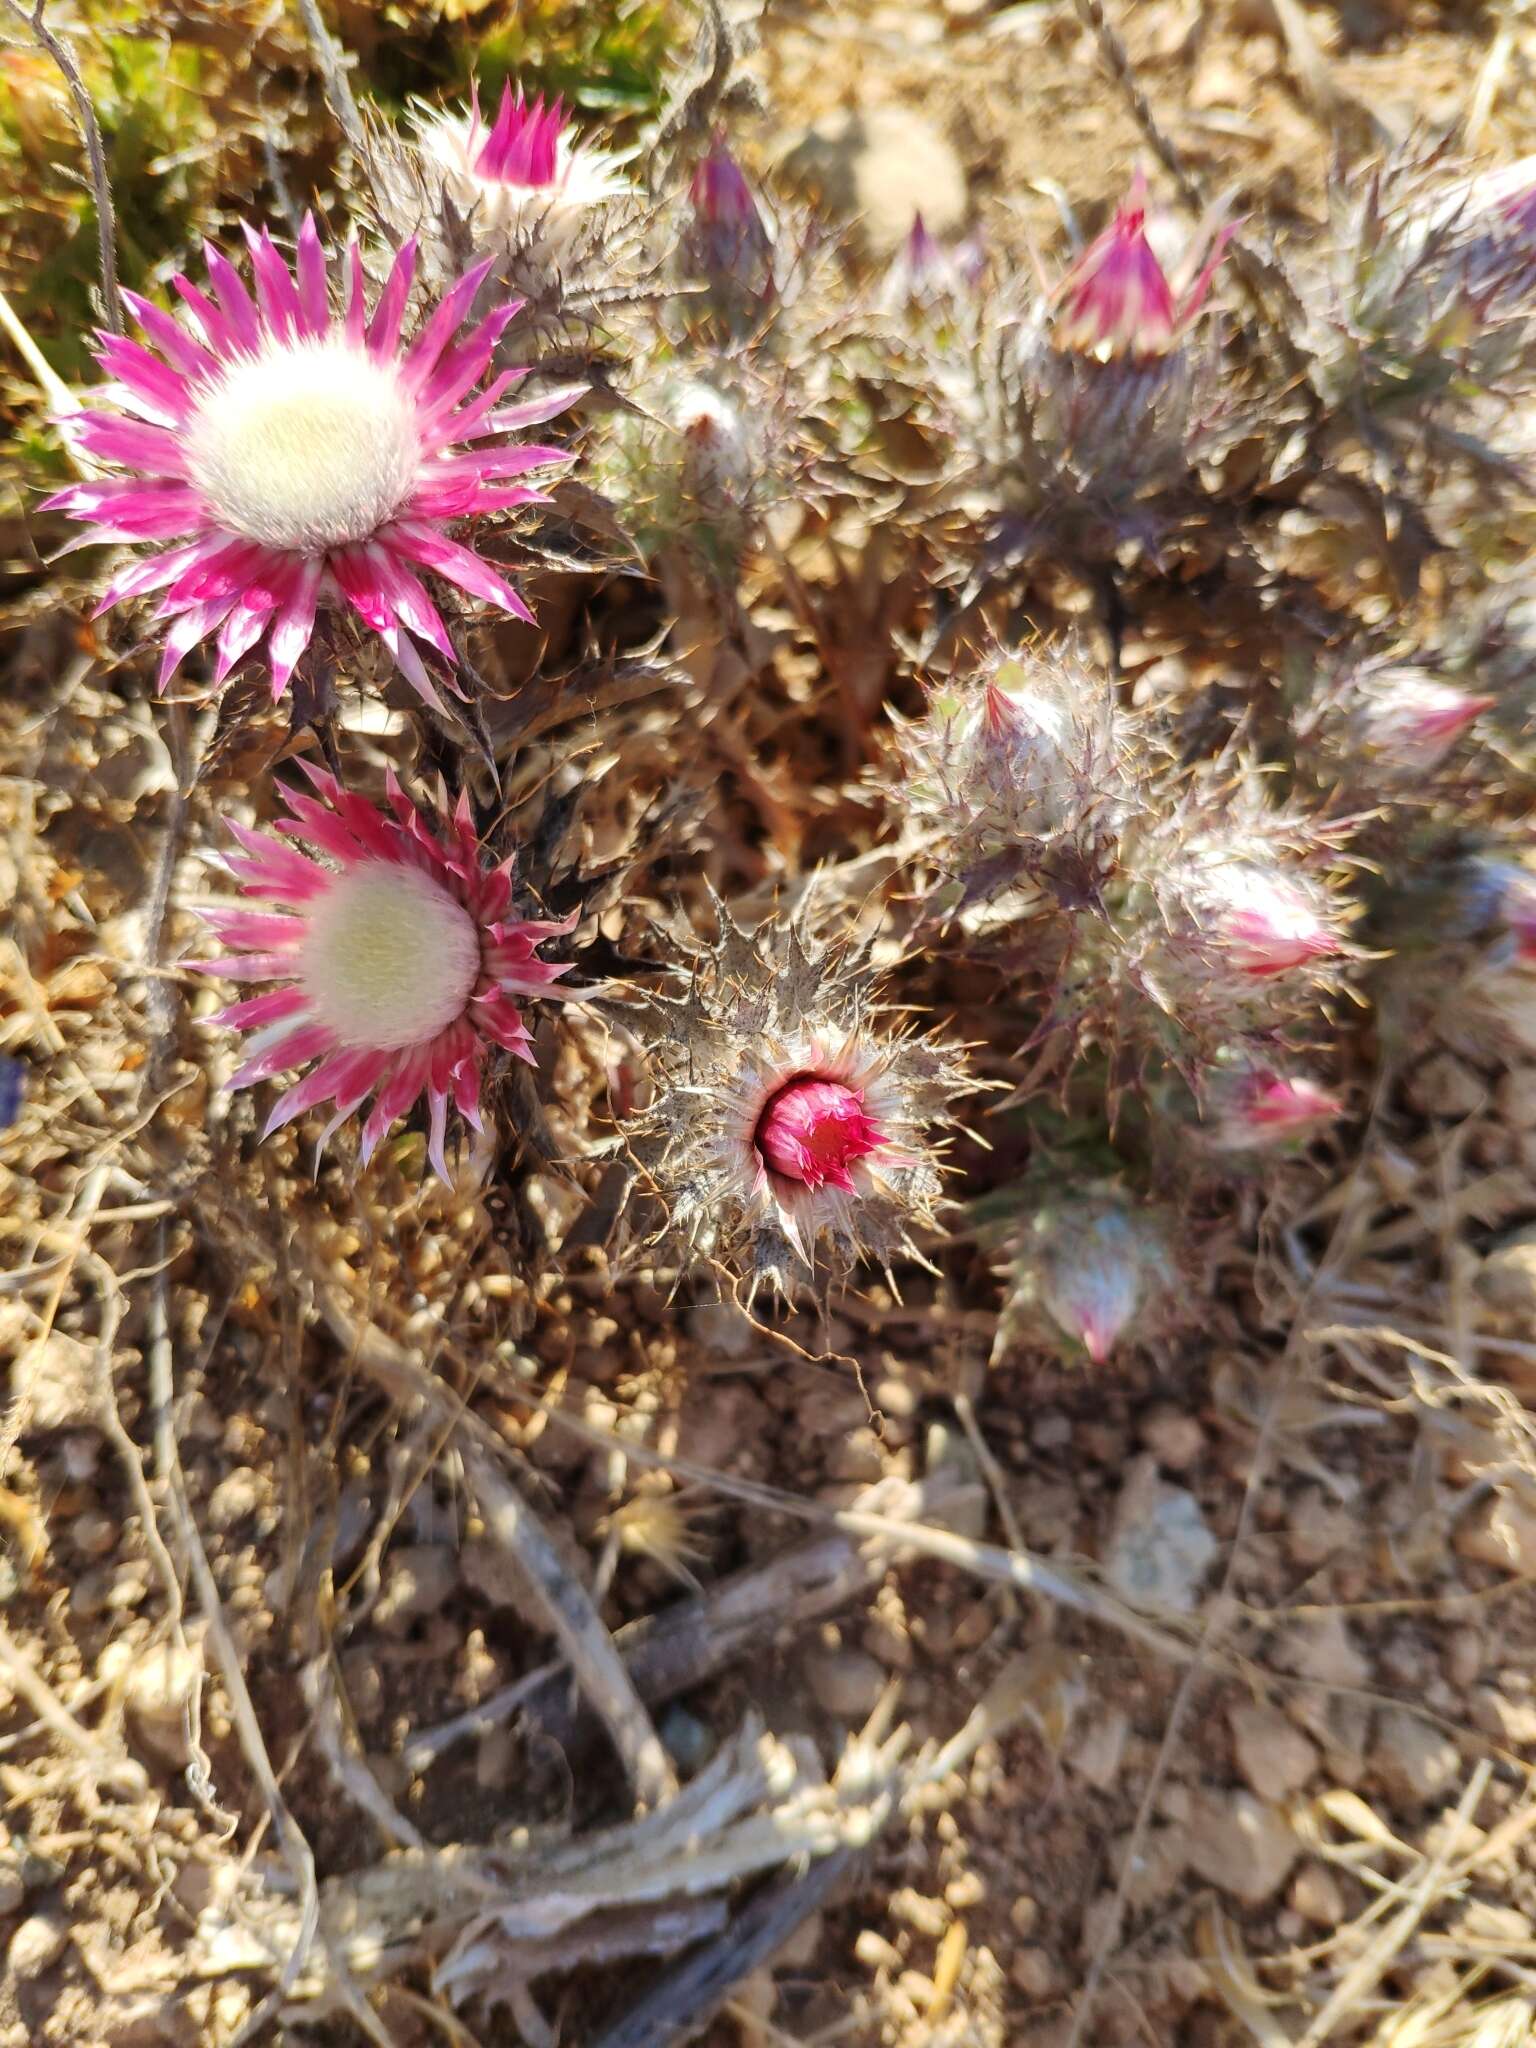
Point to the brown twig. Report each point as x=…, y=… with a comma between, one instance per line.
x=287, y=1834
x=90, y=131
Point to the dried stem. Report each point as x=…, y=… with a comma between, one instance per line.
x=338, y=87
x=90, y=131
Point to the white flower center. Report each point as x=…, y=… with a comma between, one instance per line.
x=390, y=959
x=306, y=447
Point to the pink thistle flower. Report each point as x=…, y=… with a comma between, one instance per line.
x=1254, y=1106
x=295, y=454
x=525, y=177
x=1117, y=299
x=399, y=966
x=813, y=1131
x=1264, y=921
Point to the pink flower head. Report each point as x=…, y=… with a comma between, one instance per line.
x=527, y=180
x=522, y=146
x=1117, y=300
x=295, y=454
x=399, y=965
x=1264, y=921
x=1256, y=1106
x=813, y=1131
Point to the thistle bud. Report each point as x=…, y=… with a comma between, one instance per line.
x=1251, y=1106
x=1017, y=770
x=1089, y=1272
x=1262, y=919
x=727, y=244
x=924, y=275
x=1117, y=300
x=815, y=1131
x=1407, y=722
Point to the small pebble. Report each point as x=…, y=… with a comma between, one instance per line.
x=1273, y=1755
x=847, y=1683
x=37, y=1945
x=1176, y=1441
x=1317, y=1895
x=1034, y=1972
x=234, y=1499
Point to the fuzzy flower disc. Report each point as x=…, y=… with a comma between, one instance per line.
x=399, y=964
x=390, y=958
x=296, y=454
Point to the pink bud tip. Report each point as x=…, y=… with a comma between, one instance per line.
x=1281, y=1102
x=813, y=1131
x=1519, y=210
x=523, y=145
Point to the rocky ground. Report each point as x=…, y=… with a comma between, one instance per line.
x=1215, y=1668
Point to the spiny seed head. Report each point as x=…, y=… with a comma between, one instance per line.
x=791, y=1133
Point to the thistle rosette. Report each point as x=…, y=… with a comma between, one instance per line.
x=790, y=1133
x=299, y=455
x=401, y=963
x=525, y=179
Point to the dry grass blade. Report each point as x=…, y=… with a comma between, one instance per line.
x=574, y=1620
x=1366, y=1973
x=597, y=1665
